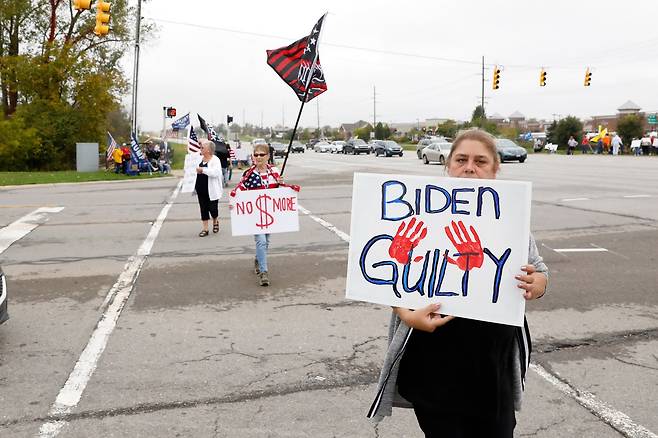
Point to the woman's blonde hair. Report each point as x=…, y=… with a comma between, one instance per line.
x=476, y=134
x=209, y=144
x=263, y=146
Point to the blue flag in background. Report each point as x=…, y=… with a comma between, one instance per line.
x=181, y=123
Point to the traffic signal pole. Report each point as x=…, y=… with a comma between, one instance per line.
x=483, y=113
x=133, y=114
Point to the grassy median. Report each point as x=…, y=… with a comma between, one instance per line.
x=65, y=176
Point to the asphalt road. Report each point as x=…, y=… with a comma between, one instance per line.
x=199, y=349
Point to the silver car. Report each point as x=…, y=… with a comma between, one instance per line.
x=322, y=146
x=436, y=152
x=337, y=147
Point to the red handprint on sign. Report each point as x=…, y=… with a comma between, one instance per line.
x=404, y=241
x=469, y=249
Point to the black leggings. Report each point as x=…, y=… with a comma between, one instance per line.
x=208, y=208
x=440, y=425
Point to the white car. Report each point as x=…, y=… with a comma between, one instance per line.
x=322, y=146
x=436, y=153
x=337, y=147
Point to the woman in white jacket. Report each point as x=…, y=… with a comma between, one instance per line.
x=208, y=186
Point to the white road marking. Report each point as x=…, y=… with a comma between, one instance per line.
x=70, y=394
x=617, y=419
x=574, y=199
x=344, y=236
x=595, y=249
x=23, y=226
x=637, y=196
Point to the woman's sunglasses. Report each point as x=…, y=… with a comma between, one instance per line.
x=260, y=155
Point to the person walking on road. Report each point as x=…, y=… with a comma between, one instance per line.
x=260, y=176
x=480, y=366
x=208, y=187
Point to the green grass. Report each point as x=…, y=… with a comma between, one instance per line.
x=180, y=149
x=65, y=176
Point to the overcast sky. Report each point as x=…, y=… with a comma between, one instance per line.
x=424, y=58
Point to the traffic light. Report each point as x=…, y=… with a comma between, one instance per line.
x=496, y=78
x=171, y=112
x=102, y=18
x=542, y=78
x=229, y=119
x=82, y=4
x=588, y=77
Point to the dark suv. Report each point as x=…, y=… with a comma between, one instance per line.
x=297, y=147
x=356, y=146
x=388, y=148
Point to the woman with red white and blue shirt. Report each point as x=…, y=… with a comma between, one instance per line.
x=260, y=176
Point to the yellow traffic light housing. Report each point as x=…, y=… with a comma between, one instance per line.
x=102, y=18
x=496, y=78
x=542, y=78
x=588, y=77
x=82, y=4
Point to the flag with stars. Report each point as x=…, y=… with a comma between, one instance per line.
x=299, y=65
x=193, y=145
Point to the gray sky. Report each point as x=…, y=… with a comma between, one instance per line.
x=195, y=66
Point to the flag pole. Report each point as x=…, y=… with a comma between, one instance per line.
x=294, y=130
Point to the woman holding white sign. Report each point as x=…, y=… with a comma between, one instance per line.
x=462, y=377
x=260, y=176
x=208, y=187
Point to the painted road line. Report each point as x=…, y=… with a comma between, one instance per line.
x=23, y=226
x=595, y=249
x=637, y=196
x=574, y=199
x=618, y=420
x=344, y=236
x=70, y=394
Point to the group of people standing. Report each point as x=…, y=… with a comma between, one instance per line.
x=216, y=162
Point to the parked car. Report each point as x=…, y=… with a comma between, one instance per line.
x=356, y=146
x=510, y=151
x=372, y=144
x=322, y=146
x=279, y=149
x=4, y=315
x=436, y=152
x=423, y=143
x=311, y=143
x=388, y=148
x=337, y=147
x=297, y=147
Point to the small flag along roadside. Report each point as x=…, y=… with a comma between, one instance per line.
x=111, y=146
x=193, y=145
x=298, y=64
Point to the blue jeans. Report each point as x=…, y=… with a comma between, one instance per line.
x=262, y=243
x=224, y=176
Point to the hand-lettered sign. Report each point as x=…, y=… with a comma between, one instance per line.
x=456, y=241
x=264, y=211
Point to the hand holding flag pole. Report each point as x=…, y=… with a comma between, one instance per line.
x=299, y=66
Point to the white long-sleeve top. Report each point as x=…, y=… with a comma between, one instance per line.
x=214, y=173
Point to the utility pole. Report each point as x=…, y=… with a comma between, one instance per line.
x=261, y=119
x=283, y=117
x=482, y=96
x=243, y=118
x=317, y=106
x=133, y=113
x=374, y=108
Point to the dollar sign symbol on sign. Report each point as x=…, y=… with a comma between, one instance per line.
x=266, y=219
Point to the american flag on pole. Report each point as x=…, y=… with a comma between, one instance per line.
x=299, y=65
x=111, y=146
x=193, y=145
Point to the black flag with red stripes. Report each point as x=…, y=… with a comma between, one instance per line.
x=299, y=65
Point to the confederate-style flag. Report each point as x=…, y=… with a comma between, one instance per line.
x=299, y=65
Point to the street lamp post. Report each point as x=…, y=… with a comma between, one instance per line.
x=133, y=113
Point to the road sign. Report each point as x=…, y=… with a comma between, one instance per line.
x=651, y=119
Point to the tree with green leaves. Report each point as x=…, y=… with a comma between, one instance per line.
x=447, y=129
x=570, y=126
x=60, y=78
x=630, y=127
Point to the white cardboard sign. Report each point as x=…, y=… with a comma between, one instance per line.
x=264, y=211
x=192, y=160
x=418, y=240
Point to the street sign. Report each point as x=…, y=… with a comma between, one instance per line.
x=652, y=119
